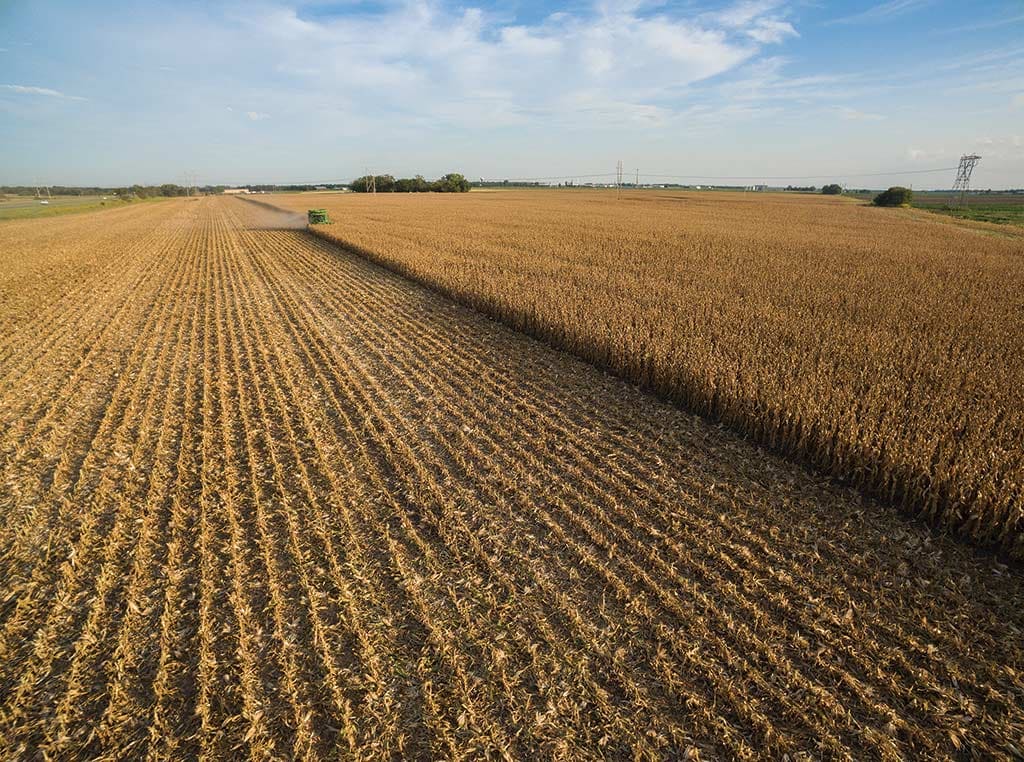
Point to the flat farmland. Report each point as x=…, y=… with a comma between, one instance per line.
x=27, y=207
x=884, y=347
x=264, y=498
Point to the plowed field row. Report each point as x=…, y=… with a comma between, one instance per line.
x=263, y=498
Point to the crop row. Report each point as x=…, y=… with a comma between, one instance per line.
x=314, y=510
x=883, y=349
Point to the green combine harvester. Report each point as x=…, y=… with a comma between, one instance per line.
x=318, y=217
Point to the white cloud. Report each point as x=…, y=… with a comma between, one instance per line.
x=29, y=90
x=467, y=67
x=757, y=19
x=771, y=31
x=255, y=116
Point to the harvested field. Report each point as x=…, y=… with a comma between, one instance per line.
x=883, y=347
x=261, y=497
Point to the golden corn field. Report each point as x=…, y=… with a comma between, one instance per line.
x=262, y=498
x=881, y=346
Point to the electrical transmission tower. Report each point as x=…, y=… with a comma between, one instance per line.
x=618, y=177
x=637, y=183
x=372, y=184
x=963, y=176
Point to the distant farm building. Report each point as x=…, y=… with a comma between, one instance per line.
x=235, y=191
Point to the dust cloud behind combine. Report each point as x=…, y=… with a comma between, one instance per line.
x=265, y=216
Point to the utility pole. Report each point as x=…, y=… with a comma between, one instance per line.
x=963, y=177
x=637, y=183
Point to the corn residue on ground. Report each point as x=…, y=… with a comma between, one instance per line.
x=263, y=498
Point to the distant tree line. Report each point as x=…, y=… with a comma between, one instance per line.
x=60, y=190
x=450, y=183
x=152, y=191
x=139, y=191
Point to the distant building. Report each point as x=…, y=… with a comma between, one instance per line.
x=235, y=191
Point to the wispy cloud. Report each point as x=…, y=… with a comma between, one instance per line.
x=765, y=80
x=1003, y=57
x=982, y=25
x=1003, y=147
x=46, y=91
x=926, y=154
x=771, y=31
x=881, y=12
x=854, y=115
x=761, y=20
x=743, y=13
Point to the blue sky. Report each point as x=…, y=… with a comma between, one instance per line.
x=279, y=91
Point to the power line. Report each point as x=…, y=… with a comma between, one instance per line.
x=963, y=176
x=806, y=177
x=727, y=177
x=551, y=177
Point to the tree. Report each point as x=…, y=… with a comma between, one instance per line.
x=452, y=183
x=411, y=185
x=382, y=184
x=832, y=190
x=895, y=196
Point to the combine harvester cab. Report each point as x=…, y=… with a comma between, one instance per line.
x=317, y=217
